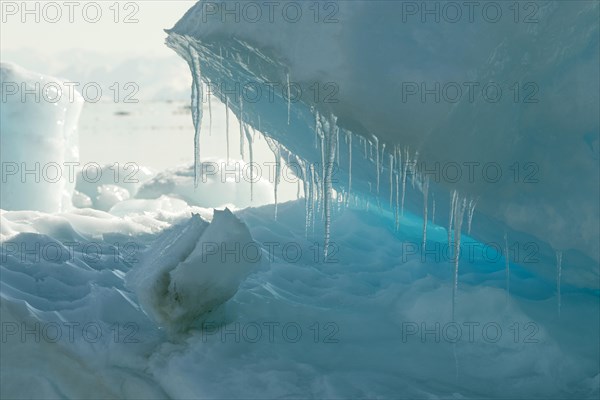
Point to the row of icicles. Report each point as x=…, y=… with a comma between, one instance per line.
x=318, y=187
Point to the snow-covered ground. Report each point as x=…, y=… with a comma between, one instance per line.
x=374, y=320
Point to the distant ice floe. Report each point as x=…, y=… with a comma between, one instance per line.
x=220, y=184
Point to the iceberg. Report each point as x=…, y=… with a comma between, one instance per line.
x=515, y=152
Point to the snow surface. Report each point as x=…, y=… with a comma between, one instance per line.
x=362, y=299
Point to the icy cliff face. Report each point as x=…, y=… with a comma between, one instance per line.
x=396, y=73
x=39, y=146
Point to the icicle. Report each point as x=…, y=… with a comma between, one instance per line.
x=319, y=187
x=276, y=149
x=322, y=136
x=391, y=179
x=307, y=200
x=313, y=196
x=197, y=96
x=241, y=127
x=404, y=173
x=227, y=127
x=470, y=211
x=209, y=111
x=251, y=154
x=433, y=209
x=300, y=176
x=349, y=136
x=507, y=267
x=323, y=155
x=330, y=143
x=398, y=173
x=377, y=166
x=414, y=169
x=337, y=146
x=425, y=194
x=459, y=211
x=316, y=128
x=289, y=98
x=450, y=218
x=365, y=144
x=558, y=278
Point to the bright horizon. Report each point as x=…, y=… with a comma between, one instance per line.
x=117, y=41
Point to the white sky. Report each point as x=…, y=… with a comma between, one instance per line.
x=51, y=43
x=104, y=36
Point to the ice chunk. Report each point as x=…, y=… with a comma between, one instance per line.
x=109, y=195
x=163, y=205
x=220, y=185
x=128, y=176
x=38, y=136
x=81, y=200
x=193, y=268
